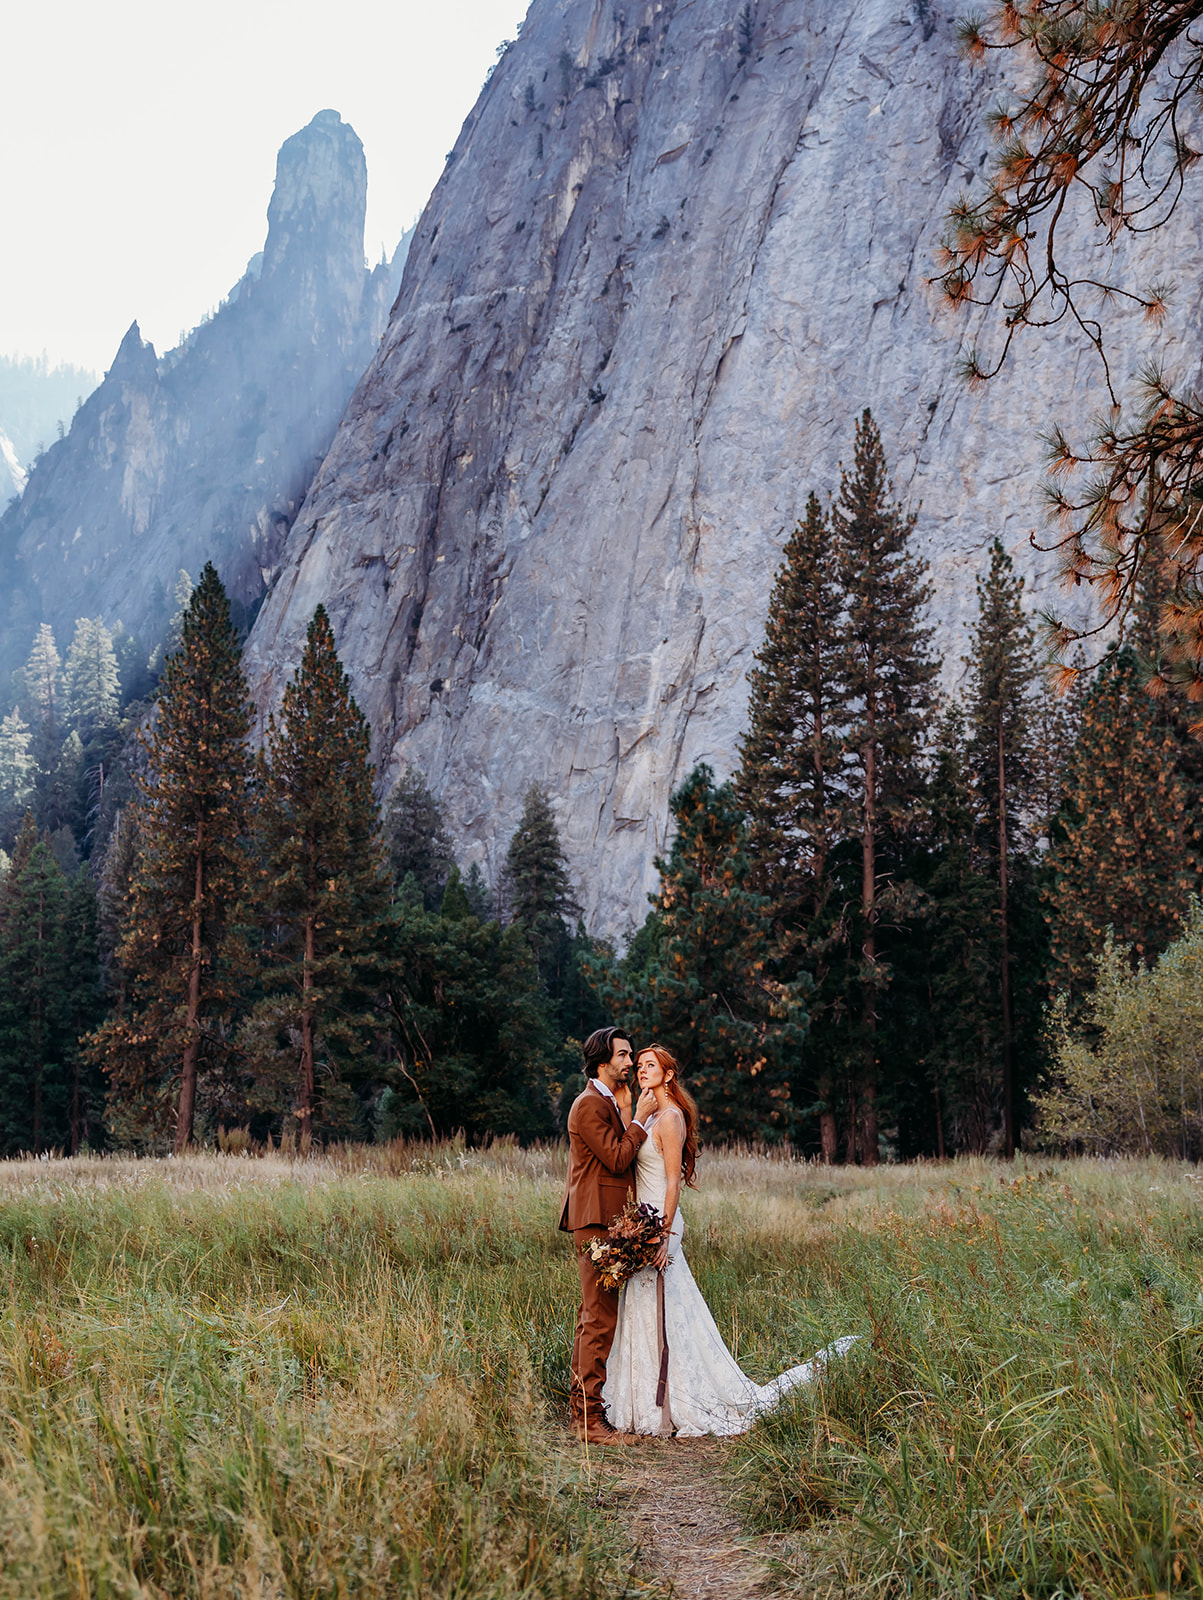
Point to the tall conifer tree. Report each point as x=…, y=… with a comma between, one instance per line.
x=791, y=779
x=182, y=946
x=91, y=680
x=708, y=990
x=17, y=768
x=415, y=832
x=34, y=1020
x=1001, y=710
x=1127, y=849
x=326, y=891
x=83, y=1005
x=536, y=890
x=887, y=672
x=44, y=690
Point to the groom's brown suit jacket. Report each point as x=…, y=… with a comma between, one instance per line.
x=601, y=1155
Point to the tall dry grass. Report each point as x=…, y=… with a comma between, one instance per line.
x=225, y=1376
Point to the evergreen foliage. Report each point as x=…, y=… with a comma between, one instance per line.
x=480, y=898
x=325, y=891
x=181, y=946
x=91, y=680
x=43, y=677
x=887, y=672
x=1126, y=855
x=536, y=890
x=472, y=1048
x=708, y=991
x=36, y=1046
x=792, y=783
x=1001, y=693
x=415, y=832
x=17, y=768
x=84, y=1008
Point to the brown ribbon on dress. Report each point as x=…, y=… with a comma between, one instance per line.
x=662, y=1386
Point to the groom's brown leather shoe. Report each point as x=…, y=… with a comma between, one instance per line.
x=600, y=1432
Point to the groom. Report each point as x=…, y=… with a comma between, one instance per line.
x=601, y=1171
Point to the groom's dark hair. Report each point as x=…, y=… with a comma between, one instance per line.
x=598, y=1048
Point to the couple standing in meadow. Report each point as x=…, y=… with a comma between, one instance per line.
x=647, y=1359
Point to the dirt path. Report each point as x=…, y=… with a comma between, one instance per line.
x=673, y=1496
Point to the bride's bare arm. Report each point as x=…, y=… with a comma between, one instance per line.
x=670, y=1136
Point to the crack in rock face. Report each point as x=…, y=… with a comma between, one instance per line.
x=663, y=272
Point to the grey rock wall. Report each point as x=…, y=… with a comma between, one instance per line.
x=206, y=453
x=659, y=278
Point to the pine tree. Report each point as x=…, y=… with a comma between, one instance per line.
x=708, y=991
x=791, y=780
x=1126, y=854
x=91, y=681
x=326, y=890
x=182, y=947
x=115, y=890
x=415, y=832
x=887, y=672
x=1001, y=694
x=793, y=783
x=956, y=957
x=1056, y=717
x=16, y=767
x=477, y=890
x=43, y=688
x=170, y=643
x=456, y=903
x=43, y=677
x=61, y=808
x=537, y=891
x=471, y=1042
x=83, y=1003
x=33, y=1017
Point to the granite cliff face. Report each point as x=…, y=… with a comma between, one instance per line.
x=206, y=453
x=676, y=249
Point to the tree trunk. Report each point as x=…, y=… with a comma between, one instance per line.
x=868, y=1140
x=75, y=1108
x=187, y=1107
x=1005, y=975
x=939, y=1124
x=305, y=1090
x=828, y=1136
x=39, y=1030
x=853, y=1117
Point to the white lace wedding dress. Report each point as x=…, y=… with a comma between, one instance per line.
x=706, y=1391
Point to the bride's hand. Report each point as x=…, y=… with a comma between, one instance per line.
x=623, y=1096
x=661, y=1257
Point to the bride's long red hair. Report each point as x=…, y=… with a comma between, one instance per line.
x=683, y=1100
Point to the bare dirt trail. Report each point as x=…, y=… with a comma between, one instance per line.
x=674, y=1498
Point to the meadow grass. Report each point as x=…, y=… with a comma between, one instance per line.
x=227, y=1376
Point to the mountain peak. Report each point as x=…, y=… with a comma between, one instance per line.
x=135, y=356
x=319, y=202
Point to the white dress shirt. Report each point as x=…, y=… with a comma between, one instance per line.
x=604, y=1088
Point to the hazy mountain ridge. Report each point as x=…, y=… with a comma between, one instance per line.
x=36, y=401
x=207, y=453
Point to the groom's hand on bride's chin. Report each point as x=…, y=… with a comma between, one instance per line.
x=647, y=1104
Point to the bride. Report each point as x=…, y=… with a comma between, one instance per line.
x=669, y=1370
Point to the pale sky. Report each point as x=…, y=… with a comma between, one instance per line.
x=138, y=145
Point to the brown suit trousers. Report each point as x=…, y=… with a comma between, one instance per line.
x=601, y=1164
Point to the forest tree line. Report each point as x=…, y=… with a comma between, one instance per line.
x=882, y=936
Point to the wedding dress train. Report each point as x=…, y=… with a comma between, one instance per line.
x=707, y=1393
